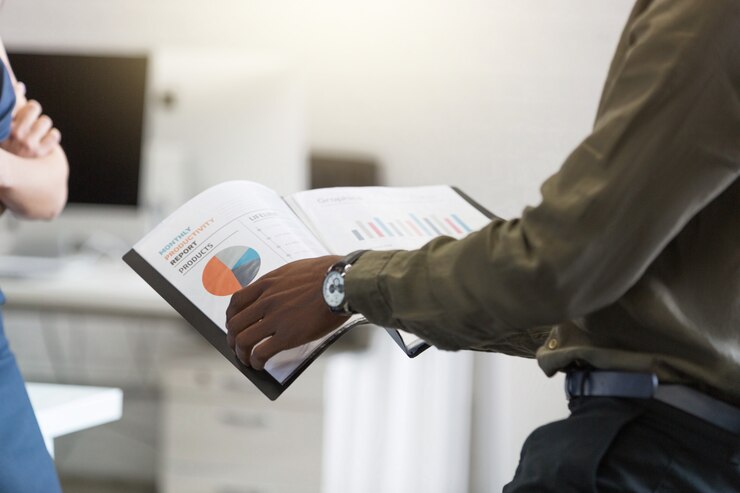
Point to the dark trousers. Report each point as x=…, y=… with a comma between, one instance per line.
x=628, y=445
x=25, y=464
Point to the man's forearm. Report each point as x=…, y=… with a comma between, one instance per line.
x=663, y=146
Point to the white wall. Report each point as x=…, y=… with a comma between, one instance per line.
x=490, y=95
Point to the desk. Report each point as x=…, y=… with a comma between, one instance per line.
x=64, y=409
x=84, y=285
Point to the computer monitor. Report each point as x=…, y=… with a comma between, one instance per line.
x=97, y=102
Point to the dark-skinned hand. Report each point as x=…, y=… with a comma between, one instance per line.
x=282, y=310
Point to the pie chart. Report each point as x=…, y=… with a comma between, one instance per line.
x=230, y=270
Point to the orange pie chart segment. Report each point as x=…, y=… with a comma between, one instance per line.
x=230, y=270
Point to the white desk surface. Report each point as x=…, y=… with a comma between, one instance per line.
x=84, y=285
x=64, y=409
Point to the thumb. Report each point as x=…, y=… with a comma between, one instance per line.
x=20, y=96
x=20, y=89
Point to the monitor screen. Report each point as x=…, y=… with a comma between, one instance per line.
x=97, y=103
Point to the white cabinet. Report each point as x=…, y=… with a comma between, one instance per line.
x=191, y=421
x=220, y=435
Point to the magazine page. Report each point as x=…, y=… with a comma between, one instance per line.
x=223, y=239
x=386, y=218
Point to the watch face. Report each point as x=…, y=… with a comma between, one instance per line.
x=334, y=289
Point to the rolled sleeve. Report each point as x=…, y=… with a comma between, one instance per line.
x=666, y=142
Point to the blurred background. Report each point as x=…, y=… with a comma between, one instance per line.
x=158, y=99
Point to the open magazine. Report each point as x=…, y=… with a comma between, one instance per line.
x=233, y=233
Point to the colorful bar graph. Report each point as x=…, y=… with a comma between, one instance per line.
x=383, y=226
x=395, y=228
x=431, y=225
x=441, y=225
x=364, y=229
x=421, y=225
x=405, y=228
x=414, y=228
x=453, y=226
x=376, y=230
x=461, y=223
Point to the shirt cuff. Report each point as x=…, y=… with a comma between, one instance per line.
x=362, y=287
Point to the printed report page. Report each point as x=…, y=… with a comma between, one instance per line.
x=386, y=218
x=222, y=240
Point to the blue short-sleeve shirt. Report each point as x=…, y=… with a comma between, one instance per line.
x=7, y=102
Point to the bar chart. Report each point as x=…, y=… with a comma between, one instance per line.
x=387, y=218
x=410, y=225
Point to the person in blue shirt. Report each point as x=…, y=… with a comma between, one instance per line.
x=33, y=185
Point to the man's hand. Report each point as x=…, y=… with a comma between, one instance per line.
x=32, y=134
x=282, y=310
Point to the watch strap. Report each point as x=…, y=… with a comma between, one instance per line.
x=342, y=267
x=351, y=258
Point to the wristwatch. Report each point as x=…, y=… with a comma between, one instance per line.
x=333, y=288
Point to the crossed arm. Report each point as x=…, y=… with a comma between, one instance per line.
x=33, y=166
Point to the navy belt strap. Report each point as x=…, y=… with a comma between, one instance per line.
x=597, y=383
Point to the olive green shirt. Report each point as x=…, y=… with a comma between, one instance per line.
x=632, y=259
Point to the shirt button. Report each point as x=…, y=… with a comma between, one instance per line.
x=552, y=344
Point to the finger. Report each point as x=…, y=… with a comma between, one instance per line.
x=28, y=111
x=238, y=324
x=264, y=350
x=39, y=129
x=25, y=118
x=243, y=298
x=247, y=339
x=49, y=141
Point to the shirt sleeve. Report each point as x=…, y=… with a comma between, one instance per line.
x=7, y=102
x=666, y=141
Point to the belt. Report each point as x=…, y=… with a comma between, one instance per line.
x=597, y=383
